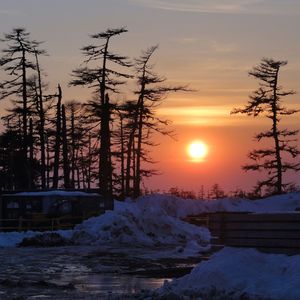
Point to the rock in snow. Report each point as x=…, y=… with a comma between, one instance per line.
x=234, y=273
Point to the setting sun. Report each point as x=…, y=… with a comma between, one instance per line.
x=197, y=150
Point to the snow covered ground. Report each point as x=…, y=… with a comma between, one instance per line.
x=133, y=223
x=181, y=208
x=155, y=220
x=239, y=274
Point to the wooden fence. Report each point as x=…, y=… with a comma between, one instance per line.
x=276, y=232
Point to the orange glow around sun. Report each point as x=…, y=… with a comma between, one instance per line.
x=197, y=151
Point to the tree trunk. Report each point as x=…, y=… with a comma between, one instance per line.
x=41, y=125
x=137, y=182
x=275, y=136
x=31, y=154
x=24, y=96
x=105, y=169
x=140, y=103
x=26, y=166
x=89, y=162
x=105, y=162
x=57, y=139
x=73, y=147
x=122, y=157
x=47, y=163
x=65, y=149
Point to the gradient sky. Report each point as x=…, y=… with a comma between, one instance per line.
x=210, y=45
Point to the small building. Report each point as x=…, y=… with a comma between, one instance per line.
x=52, y=209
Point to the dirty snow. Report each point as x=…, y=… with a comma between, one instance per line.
x=239, y=272
x=12, y=239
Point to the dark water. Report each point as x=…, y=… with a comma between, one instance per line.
x=83, y=273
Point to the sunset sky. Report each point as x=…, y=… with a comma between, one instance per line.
x=208, y=44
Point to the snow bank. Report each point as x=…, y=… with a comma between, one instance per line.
x=136, y=224
x=239, y=272
x=181, y=208
x=280, y=203
x=178, y=207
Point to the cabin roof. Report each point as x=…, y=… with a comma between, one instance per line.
x=52, y=193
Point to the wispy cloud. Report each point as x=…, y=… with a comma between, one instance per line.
x=195, y=115
x=10, y=12
x=195, y=111
x=228, y=6
x=222, y=47
x=206, y=116
x=186, y=40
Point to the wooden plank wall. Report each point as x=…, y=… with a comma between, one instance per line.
x=276, y=232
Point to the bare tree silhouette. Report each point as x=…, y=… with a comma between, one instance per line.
x=267, y=101
x=104, y=79
x=16, y=63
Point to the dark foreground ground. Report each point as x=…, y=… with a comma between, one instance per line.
x=84, y=272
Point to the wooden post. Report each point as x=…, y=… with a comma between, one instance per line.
x=222, y=227
x=20, y=224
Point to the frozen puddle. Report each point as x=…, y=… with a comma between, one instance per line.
x=83, y=272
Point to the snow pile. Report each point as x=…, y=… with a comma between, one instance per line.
x=239, y=273
x=135, y=224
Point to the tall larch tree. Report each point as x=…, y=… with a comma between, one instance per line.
x=41, y=111
x=99, y=73
x=58, y=138
x=16, y=61
x=266, y=101
x=150, y=93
